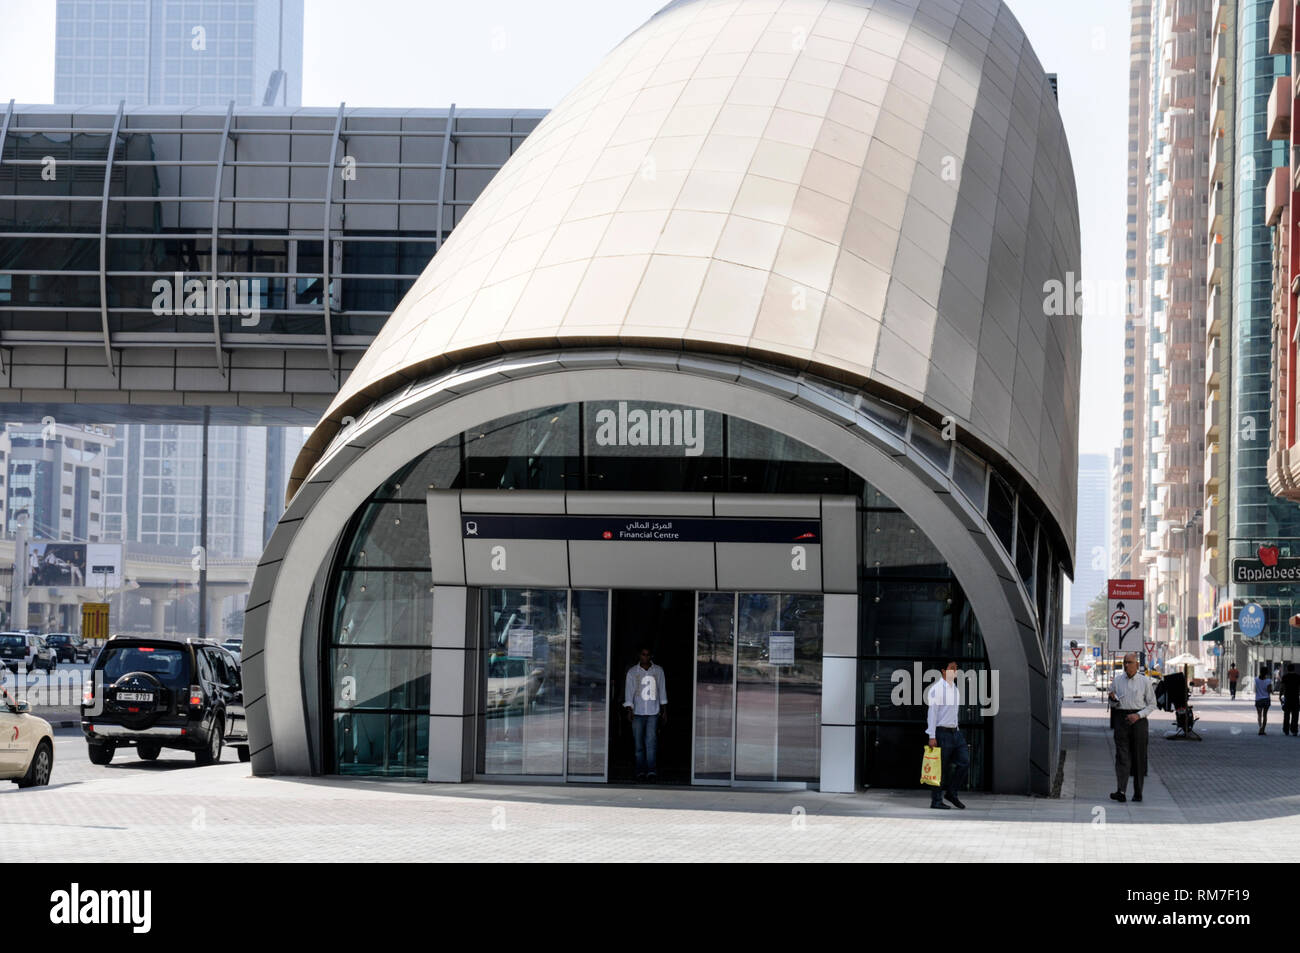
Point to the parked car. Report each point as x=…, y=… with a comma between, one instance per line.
x=27, y=748
x=160, y=693
x=68, y=647
x=23, y=649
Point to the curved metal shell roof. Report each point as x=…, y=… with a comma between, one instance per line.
x=877, y=190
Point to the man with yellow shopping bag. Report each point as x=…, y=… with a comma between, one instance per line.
x=942, y=699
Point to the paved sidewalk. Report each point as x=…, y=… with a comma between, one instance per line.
x=1233, y=796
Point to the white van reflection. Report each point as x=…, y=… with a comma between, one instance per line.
x=513, y=684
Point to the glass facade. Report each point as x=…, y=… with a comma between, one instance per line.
x=750, y=717
x=400, y=187
x=168, y=52
x=1257, y=516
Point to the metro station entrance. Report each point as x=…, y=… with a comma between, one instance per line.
x=547, y=601
x=742, y=674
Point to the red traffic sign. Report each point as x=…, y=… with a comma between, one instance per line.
x=1077, y=650
x=1119, y=620
x=1151, y=648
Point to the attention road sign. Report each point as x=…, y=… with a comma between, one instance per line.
x=1124, y=610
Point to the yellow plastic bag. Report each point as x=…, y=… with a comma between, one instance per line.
x=932, y=767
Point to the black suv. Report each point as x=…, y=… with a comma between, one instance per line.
x=68, y=648
x=159, y=693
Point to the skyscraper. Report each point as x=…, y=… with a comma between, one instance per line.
x=169, y=52
x=1129, y=500
x=1170, y=107
x=153, y=487
x=1092, y=545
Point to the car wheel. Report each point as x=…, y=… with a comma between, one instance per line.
x=38, y=772
x=244, y=754
x=100, y=753
x=212, y=753
x=148, y=752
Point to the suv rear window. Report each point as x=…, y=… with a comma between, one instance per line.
x=169, y=666
x=13, y=641
x=56, y=638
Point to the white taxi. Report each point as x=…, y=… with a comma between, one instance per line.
x=26, y=744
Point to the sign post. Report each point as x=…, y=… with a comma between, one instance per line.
x=1125, y=604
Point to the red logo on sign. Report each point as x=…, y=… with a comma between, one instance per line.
x=607, y=535
x=1268, y=555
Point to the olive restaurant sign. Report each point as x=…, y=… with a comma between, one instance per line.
x=1269, y=566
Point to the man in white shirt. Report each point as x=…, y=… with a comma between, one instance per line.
x=644, y=697
x=1133, y=698
x=942, y=698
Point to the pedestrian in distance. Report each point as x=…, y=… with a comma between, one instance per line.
x=644, y=697
x=1289, y=694
x=942, y=699
x=1133, y=698
x=1263, y=689
x=1233, y=675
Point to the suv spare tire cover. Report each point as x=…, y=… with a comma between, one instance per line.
x=148, y=713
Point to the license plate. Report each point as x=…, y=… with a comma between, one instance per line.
x=134, y=697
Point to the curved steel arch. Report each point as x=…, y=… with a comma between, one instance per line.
x=396, y=430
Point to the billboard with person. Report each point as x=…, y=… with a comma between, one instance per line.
x=58, y=564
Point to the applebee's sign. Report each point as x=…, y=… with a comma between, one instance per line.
x=1268, y=566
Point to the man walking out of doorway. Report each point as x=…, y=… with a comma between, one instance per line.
x=644, y=697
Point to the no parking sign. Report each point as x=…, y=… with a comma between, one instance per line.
x=1124, y=611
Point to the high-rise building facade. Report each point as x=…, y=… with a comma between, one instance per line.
x=1177, y=171
x=1092, y=544
x=53, y=478
x=154, y=487
x=1128, y=501
x=169, y=52
x=1257, y=518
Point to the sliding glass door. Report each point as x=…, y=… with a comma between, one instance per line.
x=758, y=677
x=545, y=682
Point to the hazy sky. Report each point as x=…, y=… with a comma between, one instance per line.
x=526, y=53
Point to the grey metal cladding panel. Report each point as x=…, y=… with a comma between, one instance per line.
x=641, y=565
x=838, y=759
x=447, y=682
x=960, y=308
x=639, y=504
x=253, y=676
x=527, y=562
x=258, y=723
x=839, y=544
x=840, y=624
x=446, y=741
x=446, y=552
x=767, y=507
x=511, y=501
x=770, y=566
x=452, y=606
x=839, y=690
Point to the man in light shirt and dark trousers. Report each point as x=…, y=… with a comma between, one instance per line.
x=1133, y=699
x=942, y=699
x=644, y=697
